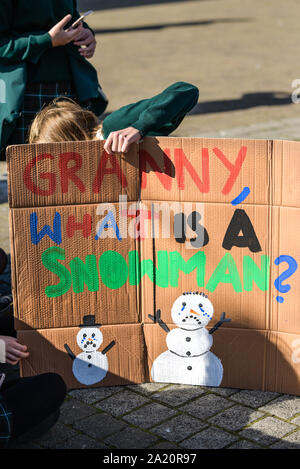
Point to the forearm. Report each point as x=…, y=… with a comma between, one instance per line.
x=15, y=47
x=24, y=48
x=172, y=104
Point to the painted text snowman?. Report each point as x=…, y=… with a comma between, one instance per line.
x=90, y=366
x=188, y=359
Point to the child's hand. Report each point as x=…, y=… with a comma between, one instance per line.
x=121, y=140
x=61, y=37
x=86, y=39
x=14, y=351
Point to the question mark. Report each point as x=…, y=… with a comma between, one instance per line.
x=286, y=274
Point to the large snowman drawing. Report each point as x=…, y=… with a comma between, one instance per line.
x=188, y=359
x=90, y=366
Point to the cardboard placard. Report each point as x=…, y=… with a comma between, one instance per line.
x=116, y=261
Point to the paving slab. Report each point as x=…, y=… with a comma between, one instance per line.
x=206, y=406
x=267, y=430
x=284, y=406
x=149, y=415
x=296, y=420
x=72, y=410
x=244, y=444
x=179, y=428
x=121, y=402
x=57, y=434
x=147, y=388
x=221, y=391
x=254, y=398
x=90, y=396
x=81, y=442
x=133, y=438
x=291, y=441
x=177, y=394
x=165, y=445
x=99, y=425
x=235, y=418
x=210, y=438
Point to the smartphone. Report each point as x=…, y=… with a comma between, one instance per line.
x=76, y=23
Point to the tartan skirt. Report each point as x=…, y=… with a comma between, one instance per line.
x=5, y=424
x=38, y=95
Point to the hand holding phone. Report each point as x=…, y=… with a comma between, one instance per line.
x=84, y=15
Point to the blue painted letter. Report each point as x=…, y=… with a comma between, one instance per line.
x=36, y=236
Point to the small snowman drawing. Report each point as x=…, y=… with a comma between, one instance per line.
x=188, y=359
x=90, y=366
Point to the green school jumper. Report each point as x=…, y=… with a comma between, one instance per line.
x=27, y=57
x=155, y=116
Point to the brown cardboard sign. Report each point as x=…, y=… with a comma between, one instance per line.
x=177, y=262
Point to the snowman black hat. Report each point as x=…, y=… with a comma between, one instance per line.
x=89, y=321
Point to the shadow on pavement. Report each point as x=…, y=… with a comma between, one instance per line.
x=111, y=4
x=247, y=101
x=153, y=27
x=3, y=191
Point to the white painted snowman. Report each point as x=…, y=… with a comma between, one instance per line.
x=188, y=359
x=90, y=366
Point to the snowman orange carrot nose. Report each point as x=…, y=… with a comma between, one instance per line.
x=194, y=312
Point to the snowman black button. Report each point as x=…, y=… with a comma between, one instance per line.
x=188, y=339
x=89, y=357
x=188, y=353
x=189, y=368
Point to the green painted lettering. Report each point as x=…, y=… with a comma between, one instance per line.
x=84, y=273
x=113, y=269
x=177, y=263
x=220, y=274
x=159, y=274
x=49, y=260
x=252, y=273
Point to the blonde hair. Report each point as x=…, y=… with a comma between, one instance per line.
x=63, y=120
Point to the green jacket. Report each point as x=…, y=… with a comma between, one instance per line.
x=27, y=55
x=159, y=115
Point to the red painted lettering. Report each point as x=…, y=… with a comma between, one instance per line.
x=102, y=170
x=182, y=162
x=234, y=169
x=164, y=173
x=85, y=226
x=30, y=184
x=67, y=173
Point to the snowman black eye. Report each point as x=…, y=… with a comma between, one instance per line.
x=93, y=335
x=183, y=306
x=84, y=335
x=200, y=305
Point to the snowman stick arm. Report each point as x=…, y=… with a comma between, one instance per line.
x=219, y=323
x=69, y=351
x=109, y=346
x=216, y=327
x=163, y=325
x=159, y=321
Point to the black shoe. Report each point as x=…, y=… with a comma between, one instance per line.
x=6, y=302
x=3, y=260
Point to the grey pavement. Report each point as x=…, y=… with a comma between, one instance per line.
x=169, y=416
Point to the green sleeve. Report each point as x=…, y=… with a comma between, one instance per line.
x=159, y=115
x=15, y=47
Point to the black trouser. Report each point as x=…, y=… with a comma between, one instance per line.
x=32, y=400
